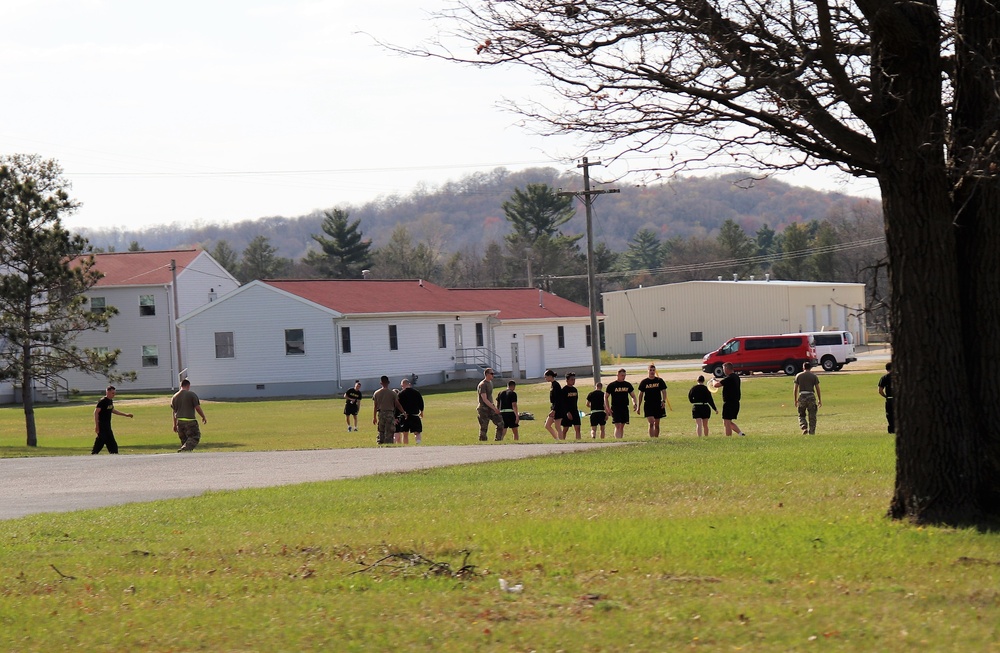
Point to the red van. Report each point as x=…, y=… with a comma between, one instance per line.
x=763, y=354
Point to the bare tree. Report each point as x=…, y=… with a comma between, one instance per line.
x=899, y=92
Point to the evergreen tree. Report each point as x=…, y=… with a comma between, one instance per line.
x=737, y=246
x=44, y=273
x=260, y=261
x=536, y=244
x=645, y=251
x=794, y=245
x=225, y=256
x=345, y=253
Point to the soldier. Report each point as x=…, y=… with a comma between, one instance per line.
x=486, y=410
x=185, y=404
x=384, y=413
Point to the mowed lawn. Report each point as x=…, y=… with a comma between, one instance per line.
x=773, y=542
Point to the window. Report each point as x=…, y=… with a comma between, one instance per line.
x=696, y=336
x=345, y=339
x=587, y=334
x=393, y=338
x=98, y=305
x=147, y=305
x=224, y=345
x=150, y=356
x=479, y=334
x=442, y=337
x=561, y=337
x=102, y=351
x=730, y=347
x=295, y=342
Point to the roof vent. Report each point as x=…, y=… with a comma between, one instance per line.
x=366, y=274
x=720, y=277
x=751, y=277
x=541, y=298
x=736, y=277
x=767, y=277
x=420, y=282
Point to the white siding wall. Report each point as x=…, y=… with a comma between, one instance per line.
x=129, y=331
x=196, y=281
x=663, y=318
x=575, y=356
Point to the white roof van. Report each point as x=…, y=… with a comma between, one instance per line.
x=834, y=349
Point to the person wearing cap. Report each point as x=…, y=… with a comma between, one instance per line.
x=487, y=411
x=570, y=409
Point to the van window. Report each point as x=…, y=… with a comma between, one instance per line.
x=825, y=339
x=773, y=343
x=730, y=347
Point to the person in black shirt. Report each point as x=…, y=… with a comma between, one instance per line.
x=731, y=395
x=555, y=409
x=352, y=404
x=654, y=390
x=102, y=422
x=885, y=389
x=618, y=395
x=507, y=403
x=597, y=402
x=569, y=407
x=702, y=405
x=413, y=411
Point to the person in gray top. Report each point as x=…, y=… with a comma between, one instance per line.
x=185, y=404
x=805, y=394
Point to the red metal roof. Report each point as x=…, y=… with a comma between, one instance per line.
x=361, y=296
x=141, y=268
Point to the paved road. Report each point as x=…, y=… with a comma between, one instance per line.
x=61, y=484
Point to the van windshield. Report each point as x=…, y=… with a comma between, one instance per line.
x=730, y=347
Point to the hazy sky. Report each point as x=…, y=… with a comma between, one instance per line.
x=224, y=110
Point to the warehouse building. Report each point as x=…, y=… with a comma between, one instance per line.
x=696, y=317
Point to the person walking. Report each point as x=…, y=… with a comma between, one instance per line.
x=617, y=396
x=102, y=422
x=486, y=410
x=702, y=405
x=507, y=402
x=386, y=403
x=185, y=404
x=570, y=406
x=885, y=389
x=413, y=410
x=653, y=390
x=352, y=405
x=597, y=403
x=731, y=395
x=806, y=396
x=555, y=397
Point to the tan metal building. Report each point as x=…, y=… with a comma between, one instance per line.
x=696, y=317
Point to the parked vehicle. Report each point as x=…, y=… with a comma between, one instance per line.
x=786, y=353
x=834, y=349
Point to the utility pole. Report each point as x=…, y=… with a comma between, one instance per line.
x=588, y=200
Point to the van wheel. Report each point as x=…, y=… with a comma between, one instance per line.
x=839, y=367
x=791, y=368
x=829, y=363
x=718, y=372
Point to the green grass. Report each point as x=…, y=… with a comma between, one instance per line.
x=774, y=542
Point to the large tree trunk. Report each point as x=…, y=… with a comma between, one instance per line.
x=937, y=468
x=976, y=117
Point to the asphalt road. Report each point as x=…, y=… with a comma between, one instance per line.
x=62, y=484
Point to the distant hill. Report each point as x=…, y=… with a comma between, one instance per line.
x=468, y=214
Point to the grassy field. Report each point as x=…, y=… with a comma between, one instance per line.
x=774, y=542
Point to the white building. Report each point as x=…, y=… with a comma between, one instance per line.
x=696, y=317
x=315, y=337
x=141, y=285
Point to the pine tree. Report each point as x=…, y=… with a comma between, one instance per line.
x=345, y=253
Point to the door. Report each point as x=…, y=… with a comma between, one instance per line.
x=459, y=347
x=515, y=361
x=631, y=345
x=534, y=357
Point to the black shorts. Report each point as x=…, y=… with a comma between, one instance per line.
x=598, y=418
x=509, y=420
x=730, y=410
x=701, y=412
x=350, y=409
x=653, y=410
x=411, y=424
x=619, y=415
x=574, y=421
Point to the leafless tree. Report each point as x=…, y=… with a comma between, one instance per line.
x=900, y=92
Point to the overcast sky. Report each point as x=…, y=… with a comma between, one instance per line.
x=223, y=110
